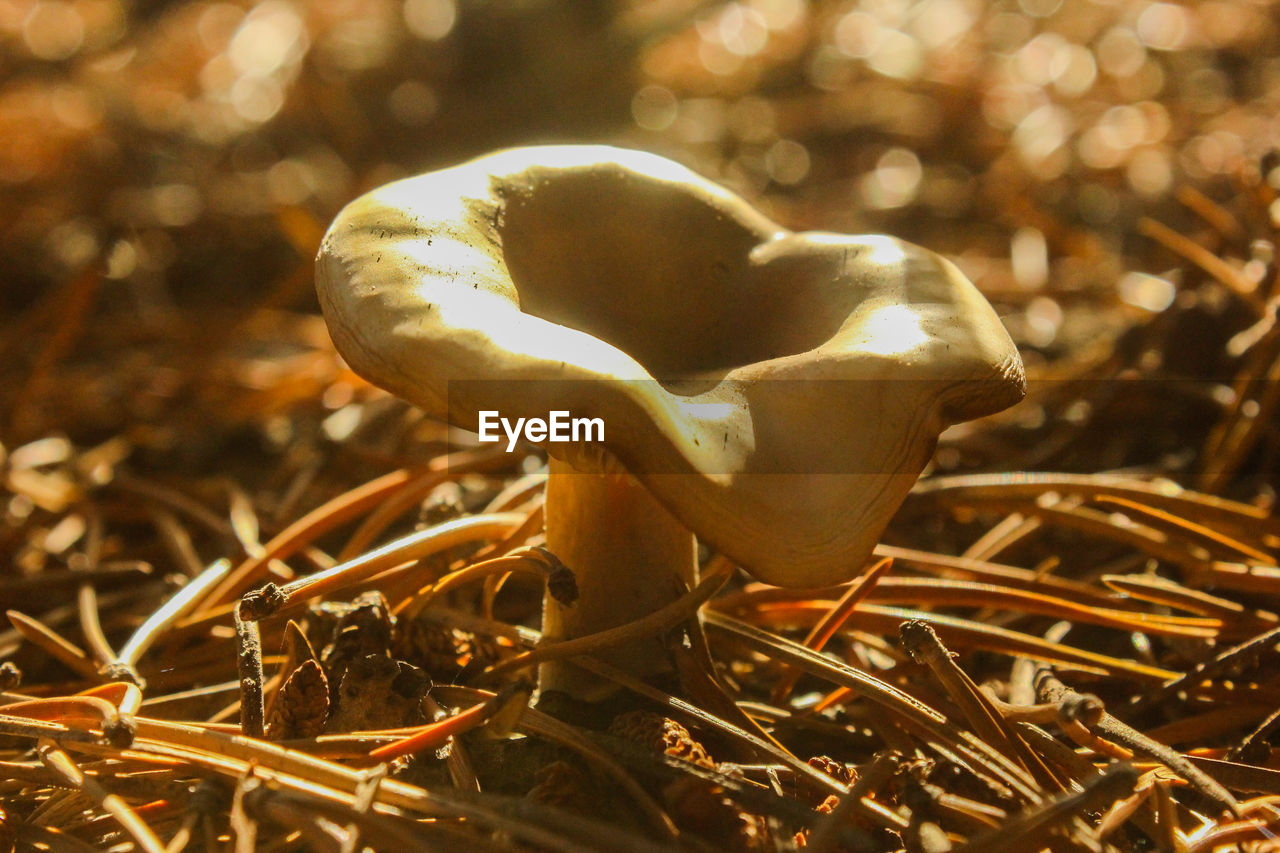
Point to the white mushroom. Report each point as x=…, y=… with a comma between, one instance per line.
x=775, y=393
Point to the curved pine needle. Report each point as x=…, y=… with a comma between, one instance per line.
x=388, y=511
x=59, y=762
x=1026, y=831
x=1011, y=529
x=179, y=605
x=536, y=723
x=532, y=722
x=528, y=528
x=1253, y=648
x=1189, y=250
x=517, y=492
x=436, y=734
x=1025, y=486
x=526, y=563
x=1102, y=724
x=1170, y=593
x=968, y=634
x=377, y=831
x=80, y=712
x=920, y=640
x=1010, y=576
x=647, y=626
x=1235, y=835
x=124, y=695
x=91, y=624
x=244, y=520
x=1230, y=442
x=1140, y=536
x=167, y=496
x=1206, y=536
x=1241, y=777
x=58, y=646
x=233, y=755
x=830, y=623
x=14, y=590
x=310, y=527
x=402, y=500
x=523, y=535
x=403, y=551
x=910, y=711
x=1240, y=577
x=1215, y=215
x=947, y=593
x=1209, y=725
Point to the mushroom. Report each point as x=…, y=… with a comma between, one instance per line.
x=775, y=393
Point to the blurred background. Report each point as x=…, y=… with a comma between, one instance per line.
x=1102, y=170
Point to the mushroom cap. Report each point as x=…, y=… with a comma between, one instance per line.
x=778, y=392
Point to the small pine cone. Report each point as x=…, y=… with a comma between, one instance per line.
x=563, y=786
x=302, y=706
x=661, y=734
x=363, y=628
x=378, y=692
x=842, y=773
x=442, y=651
x=366, y=628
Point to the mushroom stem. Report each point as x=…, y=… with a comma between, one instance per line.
x=630, y=557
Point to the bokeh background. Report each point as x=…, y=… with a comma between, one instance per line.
x=167, y=170
x=170, y=400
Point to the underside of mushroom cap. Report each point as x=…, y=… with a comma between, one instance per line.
x=779, y=392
